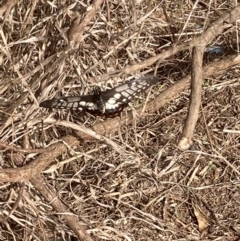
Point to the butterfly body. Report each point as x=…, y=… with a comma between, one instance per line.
x=108, y=103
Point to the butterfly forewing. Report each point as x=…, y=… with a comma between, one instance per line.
x=123, y=94
x=82, y=103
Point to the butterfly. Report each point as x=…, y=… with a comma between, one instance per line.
x=109, y=103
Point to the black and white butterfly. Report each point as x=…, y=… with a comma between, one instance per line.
x=107, y=103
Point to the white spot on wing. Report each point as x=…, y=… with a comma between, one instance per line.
x=90, y=104
x=121, y=88
x=117, y=96
x=130, y=91
x=110, y=106
x=141, y=87
x=112, y=101
x=82, y=103
x=125, y=94
x=134, y=88
x=75, y=105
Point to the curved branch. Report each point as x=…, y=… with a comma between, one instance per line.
x=205, y=38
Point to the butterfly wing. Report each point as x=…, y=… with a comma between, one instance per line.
x=121, y=95
x=113, y=100
x=83, y=103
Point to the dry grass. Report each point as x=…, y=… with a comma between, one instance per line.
x=132, y=183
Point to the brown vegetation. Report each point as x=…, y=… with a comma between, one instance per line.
x=168, y=169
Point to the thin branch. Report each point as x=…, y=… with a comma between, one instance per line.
x=76, y=30
x=195, y=98
x=7, y=6
x=214, y=30
x=51, y=196
x=111, y=125
x=83, y=131
x=39, y=164
x=19, y=149
x=173, y=92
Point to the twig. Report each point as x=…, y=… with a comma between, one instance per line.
x=18, y=149
x=195, y=99
x=168, y=95
x=6, y=7
x=42, y=161
x=214, y=30
x=39, y=164
x=51, y=196
x=19, y=198
x=76, y=30
x=86, y=132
